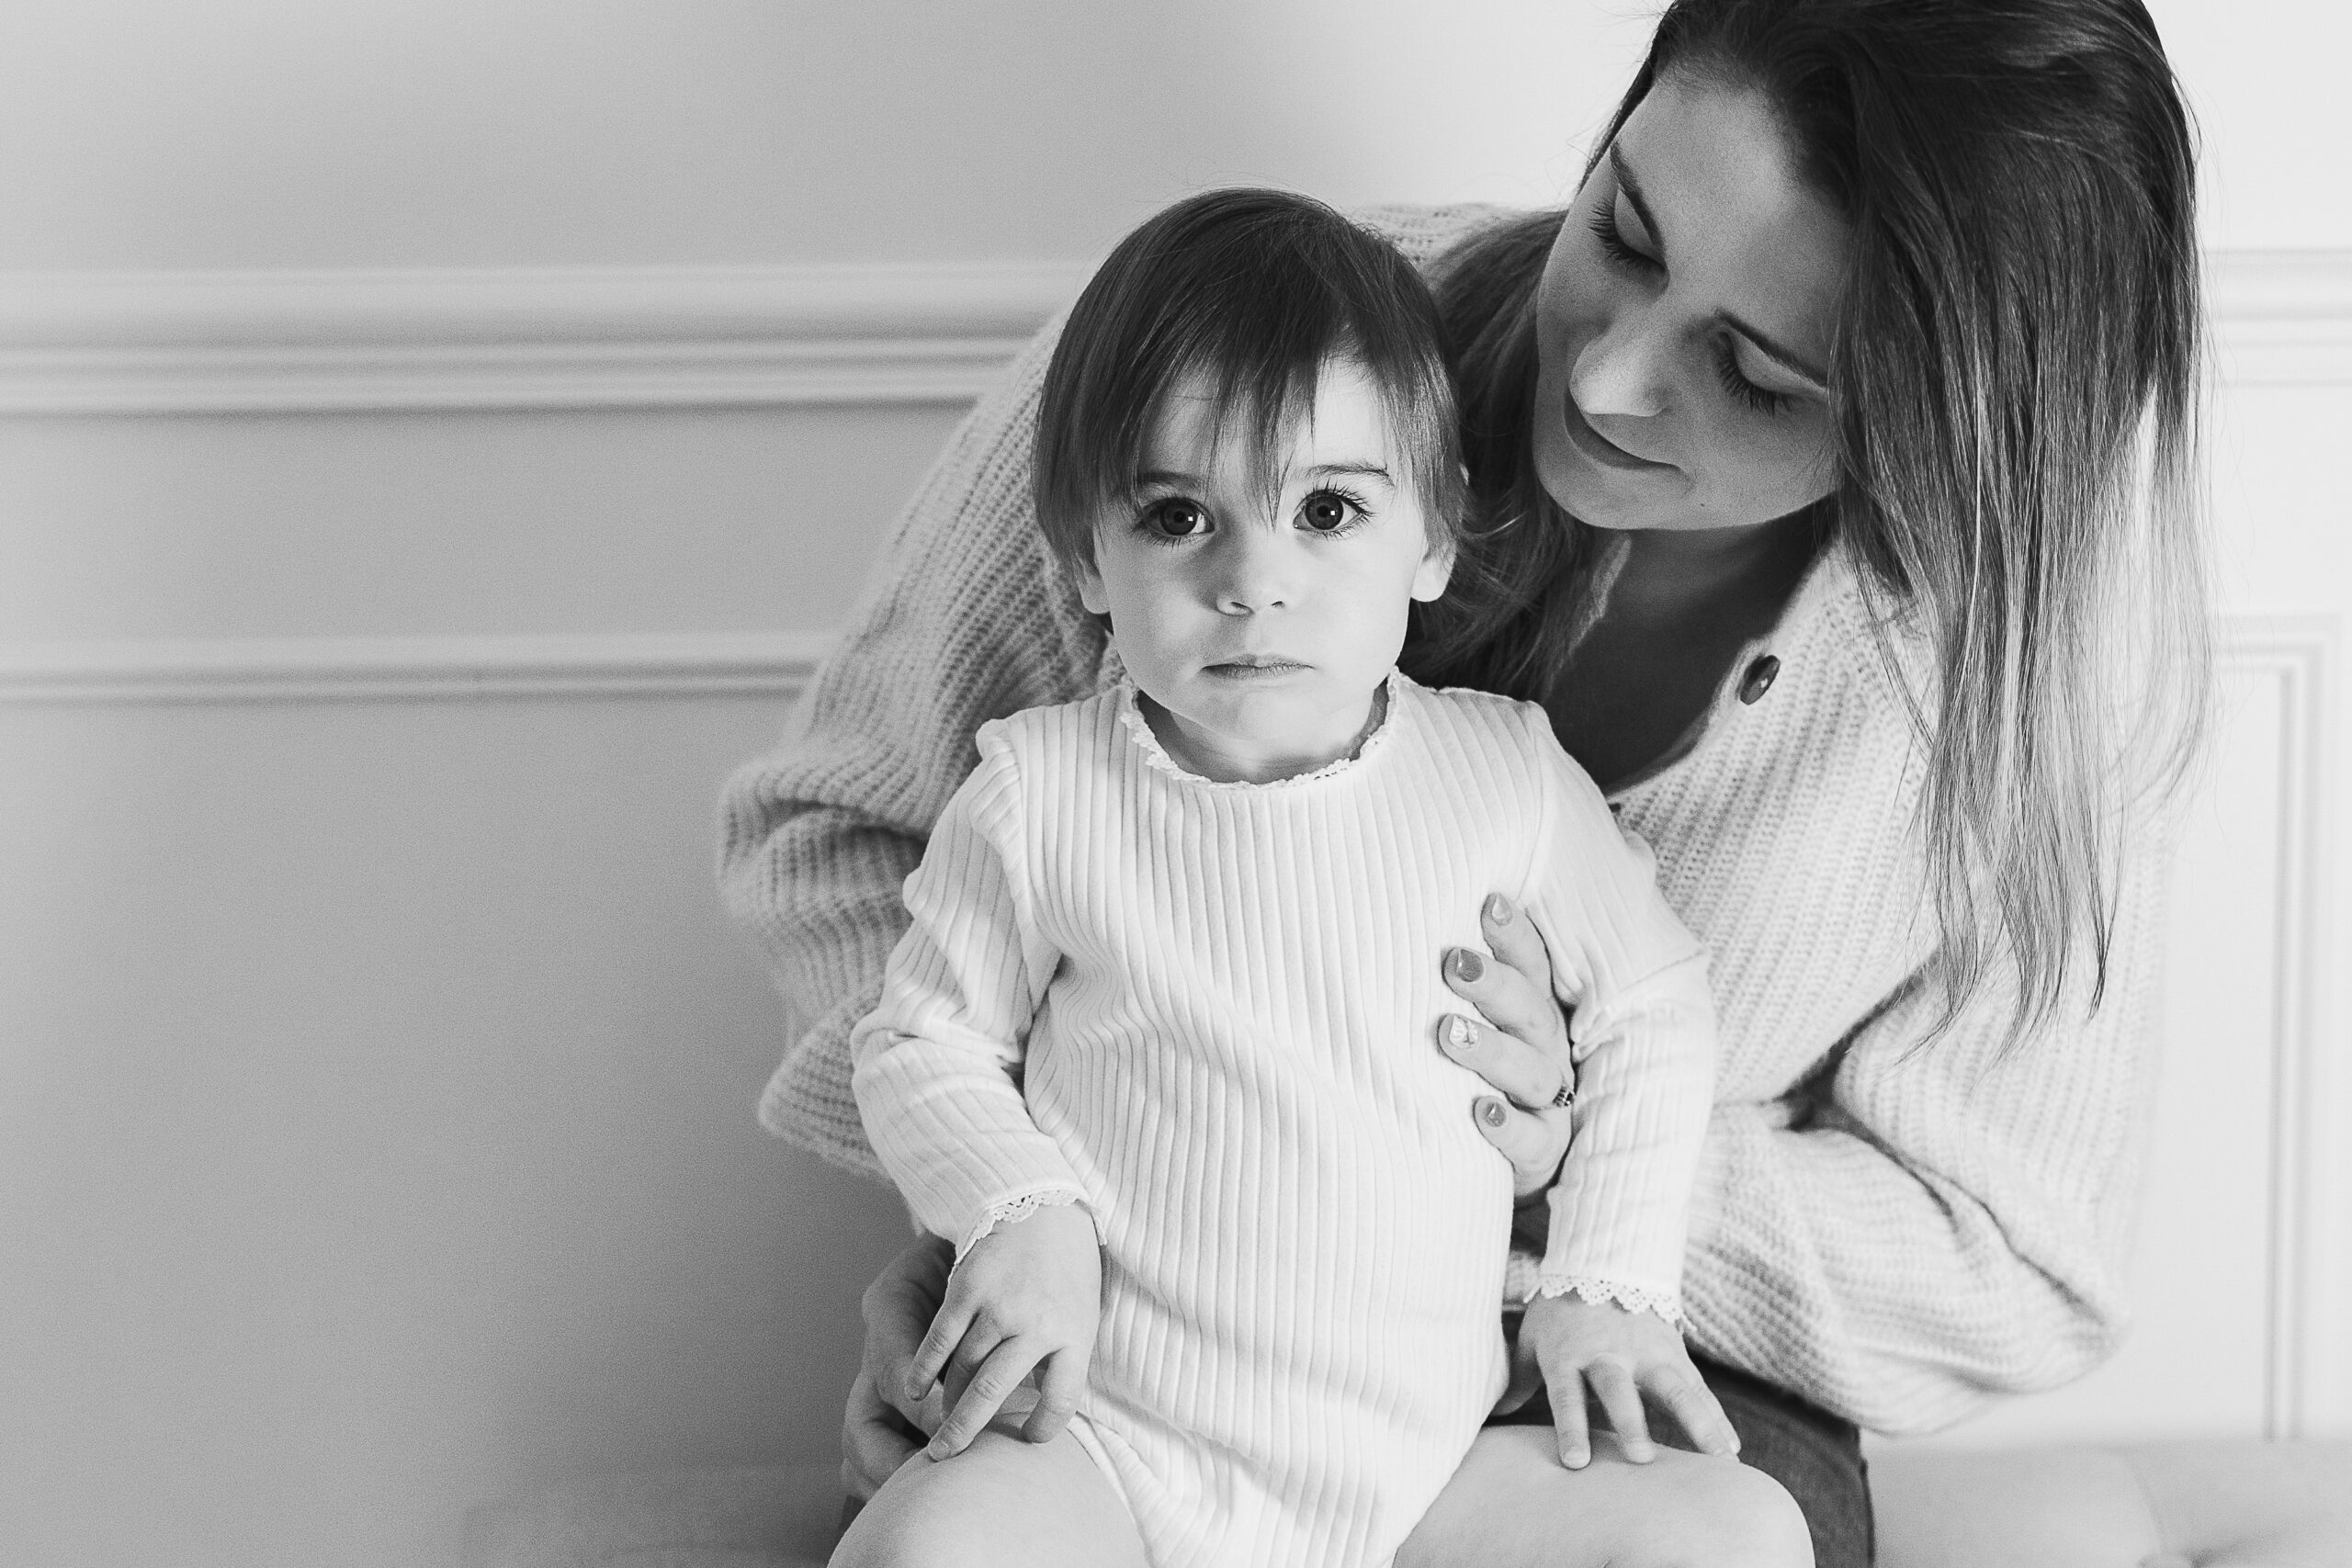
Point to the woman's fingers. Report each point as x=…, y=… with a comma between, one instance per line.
x=1611, y=1382
x=876, y=1440
x=1513, y=938
x=1533, y=1141
x=1530, y=1077
x=991, y=1384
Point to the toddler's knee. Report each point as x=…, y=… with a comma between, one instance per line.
x=883, y=1536
x=1746, y=1519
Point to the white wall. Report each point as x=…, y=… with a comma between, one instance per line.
x=439, y=436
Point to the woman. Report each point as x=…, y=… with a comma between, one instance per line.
x=1837, y=452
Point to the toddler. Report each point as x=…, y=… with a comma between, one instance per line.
x=1158, y=1055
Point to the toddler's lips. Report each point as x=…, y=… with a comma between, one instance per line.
x=1254, y=666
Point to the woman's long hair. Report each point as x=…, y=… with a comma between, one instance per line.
x=2016, y=382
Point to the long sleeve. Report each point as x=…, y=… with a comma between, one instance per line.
x=967, y=618
x=1642, y=1035
x=1952, y=1221
x=938, y=1062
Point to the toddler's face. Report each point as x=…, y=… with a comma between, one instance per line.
x=1258, y=629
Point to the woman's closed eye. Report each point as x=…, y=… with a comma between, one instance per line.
x=1624, y=254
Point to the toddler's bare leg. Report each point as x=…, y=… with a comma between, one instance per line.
x=1004, y=1501
x=1513, y=1505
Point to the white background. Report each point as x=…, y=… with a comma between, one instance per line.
x=508, y=398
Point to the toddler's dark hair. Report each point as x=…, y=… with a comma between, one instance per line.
x=1253, y=291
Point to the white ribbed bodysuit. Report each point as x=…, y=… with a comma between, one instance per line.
x=1208, y=1011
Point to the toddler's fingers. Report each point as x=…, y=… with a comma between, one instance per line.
x=1611, y=1382
x=930, y=1358
x=1061, y=1379
x=1694, y=1405
x=982, y=1398
x=1570, y=1426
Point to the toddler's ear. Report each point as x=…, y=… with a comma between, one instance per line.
x=1089, y=588
x=1435, y=571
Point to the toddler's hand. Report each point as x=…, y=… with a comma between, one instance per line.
x=1619, y=1355
x=1027, y=1294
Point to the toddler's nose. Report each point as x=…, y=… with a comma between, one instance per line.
x=1255, y=574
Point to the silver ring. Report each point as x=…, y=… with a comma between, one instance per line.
x=1566, y=1097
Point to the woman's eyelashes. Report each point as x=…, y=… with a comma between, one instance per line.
x=1622, y=252
x=1332, y=511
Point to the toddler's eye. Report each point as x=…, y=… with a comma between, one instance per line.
x=1175, y=518
x=1330, y=511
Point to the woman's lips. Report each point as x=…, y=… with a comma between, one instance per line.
x=1597, y=446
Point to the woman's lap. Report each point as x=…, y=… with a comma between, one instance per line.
x=1815, y=1455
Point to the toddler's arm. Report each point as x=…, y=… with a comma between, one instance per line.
x=1607, y=1311
x=936, y=1080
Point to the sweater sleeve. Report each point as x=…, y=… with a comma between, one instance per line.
x=1642, y=1034
x=938, y=1062
x=967, y=619
x=1949, y=1221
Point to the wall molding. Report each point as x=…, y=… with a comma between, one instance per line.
x=311, y=341
x=2295, y=657
x=306, y=669
x=349, y=341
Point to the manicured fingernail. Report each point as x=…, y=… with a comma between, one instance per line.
x=937, y=1449
x=1490, y=1111
x=1460, y=1034
x=1467, y=965
x=1574, y=1458
x=1498, y=909
x=1640, y=1453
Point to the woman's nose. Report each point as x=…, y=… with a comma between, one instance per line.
x=1623, y=370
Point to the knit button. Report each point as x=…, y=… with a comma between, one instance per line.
x=1758, y=679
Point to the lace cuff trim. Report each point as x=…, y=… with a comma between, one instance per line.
x=1632, y=1298
x=1013, y=1209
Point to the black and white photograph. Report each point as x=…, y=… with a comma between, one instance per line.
x=1242, y=784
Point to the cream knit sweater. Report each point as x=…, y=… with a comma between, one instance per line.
x=1896, y=1233
x=1201, y=1009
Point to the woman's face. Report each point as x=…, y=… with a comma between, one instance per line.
x=1683, y=323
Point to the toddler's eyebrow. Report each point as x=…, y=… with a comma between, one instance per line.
x=1366, y=469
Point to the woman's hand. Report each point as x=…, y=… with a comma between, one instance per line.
x=882, y=1428
x=1619, y=1355
x=1516, y=1040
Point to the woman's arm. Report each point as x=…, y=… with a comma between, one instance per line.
x=967, y=619
x=1949, y=1224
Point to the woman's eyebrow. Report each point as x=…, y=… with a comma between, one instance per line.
x=1781, y=355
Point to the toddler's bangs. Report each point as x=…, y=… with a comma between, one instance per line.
x=1245, y=294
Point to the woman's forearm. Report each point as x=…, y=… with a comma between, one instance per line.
x=1950, y=1224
